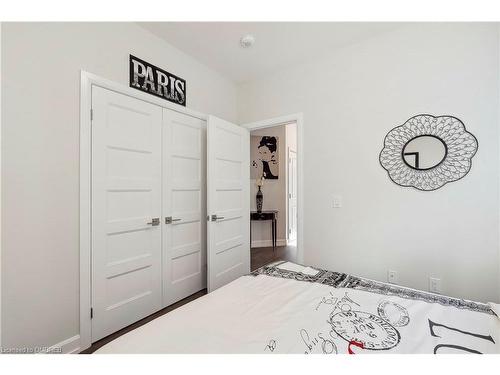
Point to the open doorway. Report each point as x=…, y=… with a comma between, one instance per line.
x=273, y=194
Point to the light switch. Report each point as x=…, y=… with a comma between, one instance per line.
x=337, y=201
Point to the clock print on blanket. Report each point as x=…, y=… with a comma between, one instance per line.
x=366, y=316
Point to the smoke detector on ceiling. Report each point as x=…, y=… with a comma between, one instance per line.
x=247, y=41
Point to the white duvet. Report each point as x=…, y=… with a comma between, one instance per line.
x=268, y=314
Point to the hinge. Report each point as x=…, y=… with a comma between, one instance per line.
x=91, y=313
x=91, y=114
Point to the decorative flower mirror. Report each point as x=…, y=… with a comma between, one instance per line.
x=427, y=152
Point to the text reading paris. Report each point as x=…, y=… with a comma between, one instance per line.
x=155, y=81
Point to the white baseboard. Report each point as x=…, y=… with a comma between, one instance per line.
x=68, y=346
x=267, y=243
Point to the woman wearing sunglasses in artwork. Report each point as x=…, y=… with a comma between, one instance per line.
x=268, y=147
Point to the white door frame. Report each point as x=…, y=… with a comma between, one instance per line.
x=87, y=80
x=298, y=118
x=0, y=186
x=288, y=151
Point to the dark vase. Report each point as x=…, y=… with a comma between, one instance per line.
x=259, y=198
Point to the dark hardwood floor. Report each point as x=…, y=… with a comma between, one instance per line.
x=258, y=257
x=96, y=345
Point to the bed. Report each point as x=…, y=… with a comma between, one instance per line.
x=289, y=308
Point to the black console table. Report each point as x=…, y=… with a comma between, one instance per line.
x=271, y=215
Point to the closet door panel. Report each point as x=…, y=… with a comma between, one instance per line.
x=126, y=196
x=228, y=202
x=184, y=180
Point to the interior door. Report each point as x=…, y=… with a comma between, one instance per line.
x=228, y=178
x=126, y=209
x=292, y=195
x=184, y=202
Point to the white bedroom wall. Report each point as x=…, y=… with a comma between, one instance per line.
x=41, y=65
x=350, y=100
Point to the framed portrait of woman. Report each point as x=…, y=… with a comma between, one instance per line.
x=265, y=157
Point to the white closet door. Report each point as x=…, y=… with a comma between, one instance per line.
x=184, y=202
x=126, y=200
x=228, y=150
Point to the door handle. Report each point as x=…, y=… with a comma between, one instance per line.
x=154, y=222
x=215, y=217
x=169, y=220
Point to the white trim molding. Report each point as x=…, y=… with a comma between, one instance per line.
x=87, y=80
x=85, y=206
x=68, y=346
x=498, y=125
x=298, y=118
x=0, y=184
x=287, y=205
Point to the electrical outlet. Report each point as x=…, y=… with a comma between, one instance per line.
x=392, y=277
x=435, y=285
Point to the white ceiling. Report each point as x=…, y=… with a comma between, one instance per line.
x=278, y=44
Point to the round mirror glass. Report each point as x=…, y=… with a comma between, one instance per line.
x=424, y=152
